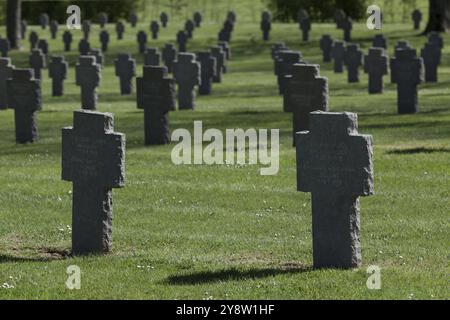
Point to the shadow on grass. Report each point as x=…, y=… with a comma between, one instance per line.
x=45, y=255
x=419, y=150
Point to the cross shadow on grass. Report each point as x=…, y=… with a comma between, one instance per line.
x=419, y=150
x=45, y=255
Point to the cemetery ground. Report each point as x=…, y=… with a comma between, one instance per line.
x=226, y=232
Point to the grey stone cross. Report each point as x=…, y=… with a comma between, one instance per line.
x=186, y=72
x=376, y=66
x=353, y=60
x=169, y=54
x=57, y=71
x=37, y=62
x=125, y=68
x=88, y=77
x=6, y=69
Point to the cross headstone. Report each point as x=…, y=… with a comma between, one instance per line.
x=23, y=28
x=275, y=53
x=43, y=20
x=33, y=38
x=304, y=23
x=169, y=54
x=407, y=73
x=54, y=28
x=284, y=66
x=133, y=19
x=326, y=44
x=224, y=35
x=152, y=57
x=189, y=26
x=306, y=91
x=120, y=29
x=186, y=72
x=376, y=65
x=154, y=28
x=104, y=40
x=226, y=47
x=431, y=55
x=347, y=26
x=86, y=28
x=208, y=67
x=156, y=95
x=6, y=70
x=302, y=14
x=99, y=58
x=93, y=159
x=67, y=39
x=335, y=164
x=125, y=68
x=43, y=45
x=102, y=19
x=164, y=18
x=402, y=44
x=337, y=53
x=198, y=19
x=353, y=60
x=417, y=18
x=379, y=41
x=57, y=71
x=182, y=39
x=218, y=53
x=37, y=62
x=84, y=47
x=231, y=15
x=142, y=40
x=4, y=47
x=88, y=77
x=266, y=24
x=24, y=96
x=339, y=17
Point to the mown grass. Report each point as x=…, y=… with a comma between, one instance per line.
x=225, y=232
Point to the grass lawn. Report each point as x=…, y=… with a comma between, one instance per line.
x=226, y=232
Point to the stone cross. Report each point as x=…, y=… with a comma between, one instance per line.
x=43, y=20
x=402, y=44
x=24, y=96
x=154, y=28
x=221, y=62
x=436, y=39
x=4, y=47
x=186, y=72
x=126, y=70
x=33, y=38
x=417, y=18
x=6, y=70
x=182, y=39
x=304, y=23
x=67, y=39
x=37, y=62
x=189, y=26
x=407, y=73
x=23, y=29
x=156, y=95
x=379, y=41
x=266, y=25
x=164, y=18
x=223, y=35
x=152, y=57
x=102, y=19
x=43, y=45
x=376, y=65
x=198, y=19
x=231, y=15
x=208, y=65
x=347, y=26
x=302, y=14
x=86, y=27
x=275, y=53
x=226, y=47
x=431, y=55
x=142, y=40
x=353, y=60
x=93, y=159
x=133, y=19
x=57, y=71
x=284, y=66
x=104, y=40
x=337, y=53
x=120, y=29
x=54, y=28
x=339, y=17
x=84, y=47
x=99, y=58
x=326, y=44
x=335, y=164
x=169, y=54
x=88, y=77
x=306, y=92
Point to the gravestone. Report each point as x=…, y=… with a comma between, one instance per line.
x=4, y=47
x=339, y=17
x=223, y=35
x=379, y=41
x=120, y=29
x=125, y=69
x=225, y=47
x=84, y=47
x=104, y=40
x=6, y=70
x=156, y=95
x=337, y=53
x=198, y=19
x=347, y=26
x=431, y=55
x=33, y=38
x=88, y=77
x=169, y=54
x=154, y=28
x=43, y=20
x=102, y=19
x=231, y=15
x=283, y=68
x=182, y=39
x=189, y=26
x=417, y=18
x=24, y=96
x=164, y=18
x=275, y=53
x=86, y=28
x=99, y=58
x=54, y=28
x=302, y=14
x=402, y=44
x=376, y=66
x=435, y=38
x=67, y=39
x=93, y=159
x=266, y=24
x=335, y=164
x=221, y=62
x=186, y=72
x=43, y=45
x=152, y=57
x=353, y=60
x=133, y=19
x=57, y=71
x=37, y=62
x=208, y=67
x=142, y=40
x=326, y=44
x=306, y=91
x=23, y=28
x=407, y=73
x=304, y=23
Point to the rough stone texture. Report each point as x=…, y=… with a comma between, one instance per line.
x=43, y=45
x=43, y=20
x=266, y=25
x=337, y=53
x=186, y=72
x=169, y=54
x=407, y=73
x=221, y=62
x=335, y=164
x=182, y=39
x=125, y=68
x=326, y=44
x=102, y=19
x=417, y=18
x=120, y=29
x=284, y=66
x=133, y=19
x=376, y=66
x=84, y=47
x=88, y=77
x=142, y=40
x=93, y=159
x=33, y=38
x=154, y=28
x=189, y=27
x=198, y=19
x=156, y=95
x=86, y=28
x=164, y=18
x=379, y=41
x=152, y=57
x=353, y=60
x=306, y=91
x=54, y=28
x=347, y=26
x=67, y=39
x=37, y=62
x=104, y=40
x=208, y=65
x=431, y=55
x=4, y=47
x=99, y=58
x=24, y=96
x=57, y=71
x=6, y=70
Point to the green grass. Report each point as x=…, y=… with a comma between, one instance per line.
x=225, y=232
